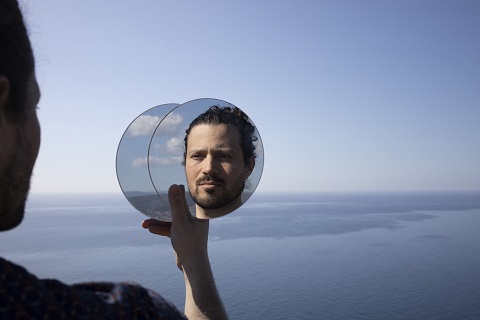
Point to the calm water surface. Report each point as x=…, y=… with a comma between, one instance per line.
x=304, y=256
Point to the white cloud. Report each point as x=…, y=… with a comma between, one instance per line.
x=143, y=126
x=175, y=145
x=158, y=146
x=139, y=162
x=165, y=162
x=157, y=162
x=170, y=124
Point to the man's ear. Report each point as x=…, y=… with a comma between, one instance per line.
x=249, y=167
x=4, y=94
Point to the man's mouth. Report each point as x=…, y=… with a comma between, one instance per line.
x=210, y=182
x=210, y=185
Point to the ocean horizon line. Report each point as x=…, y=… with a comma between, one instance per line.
x=372, y=191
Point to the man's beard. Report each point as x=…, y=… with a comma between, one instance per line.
x=14, y=187
x=211, y=200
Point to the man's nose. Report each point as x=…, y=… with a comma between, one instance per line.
x=210, y=166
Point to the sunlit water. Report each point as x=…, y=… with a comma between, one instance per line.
x=306, y=256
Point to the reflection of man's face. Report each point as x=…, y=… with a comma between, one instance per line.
x=214, y=165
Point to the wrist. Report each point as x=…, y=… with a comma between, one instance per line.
x=196, y=262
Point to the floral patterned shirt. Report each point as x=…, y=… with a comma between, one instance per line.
x=24, y=296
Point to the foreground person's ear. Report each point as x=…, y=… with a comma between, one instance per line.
x=4, y=93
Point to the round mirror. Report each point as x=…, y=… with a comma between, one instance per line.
x=220, y=162
x=132, y=164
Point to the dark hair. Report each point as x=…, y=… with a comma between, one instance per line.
x=16, y=56
x=231, y=116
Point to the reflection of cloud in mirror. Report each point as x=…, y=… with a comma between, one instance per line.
x=157, y=162
x=165, y=162
x=139, y=162
x=143, y=126
x=170, y=124
x=174, y=145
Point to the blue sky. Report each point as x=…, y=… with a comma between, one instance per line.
x=346, y=95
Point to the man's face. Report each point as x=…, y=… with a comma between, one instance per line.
x=19, y=144
x=214, y=165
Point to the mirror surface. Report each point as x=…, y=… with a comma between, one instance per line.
x=166, y=155
x=132, y=164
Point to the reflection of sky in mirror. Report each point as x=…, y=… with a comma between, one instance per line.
x=165, y=149
x=132, y=165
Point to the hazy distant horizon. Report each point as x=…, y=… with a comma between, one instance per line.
x=282, y=191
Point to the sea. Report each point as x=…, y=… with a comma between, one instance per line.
x=331, y=255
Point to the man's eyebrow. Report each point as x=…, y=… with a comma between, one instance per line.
x=190, y=150
x=218, y=149
x=223, y=148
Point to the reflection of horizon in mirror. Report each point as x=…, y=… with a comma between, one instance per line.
x=166, y=150
x=132, y=164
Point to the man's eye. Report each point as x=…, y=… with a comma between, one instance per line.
x=225, y=156
x=196, y=156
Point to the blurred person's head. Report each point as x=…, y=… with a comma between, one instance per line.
x=19, y=127
x=219, y=157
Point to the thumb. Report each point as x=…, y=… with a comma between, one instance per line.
x=176, y=197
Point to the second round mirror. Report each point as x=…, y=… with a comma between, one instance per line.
x=214, y=149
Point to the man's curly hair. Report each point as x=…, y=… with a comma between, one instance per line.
x=16, y=57
x=231, y=116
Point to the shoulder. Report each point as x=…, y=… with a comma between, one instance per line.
x=24, y=295
x=130, y=299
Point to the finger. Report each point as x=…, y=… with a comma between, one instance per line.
x=160, y=230
x=187, y=209
x=176, y=197
x=185, y=204
x=177, y=261
x=152, y=222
